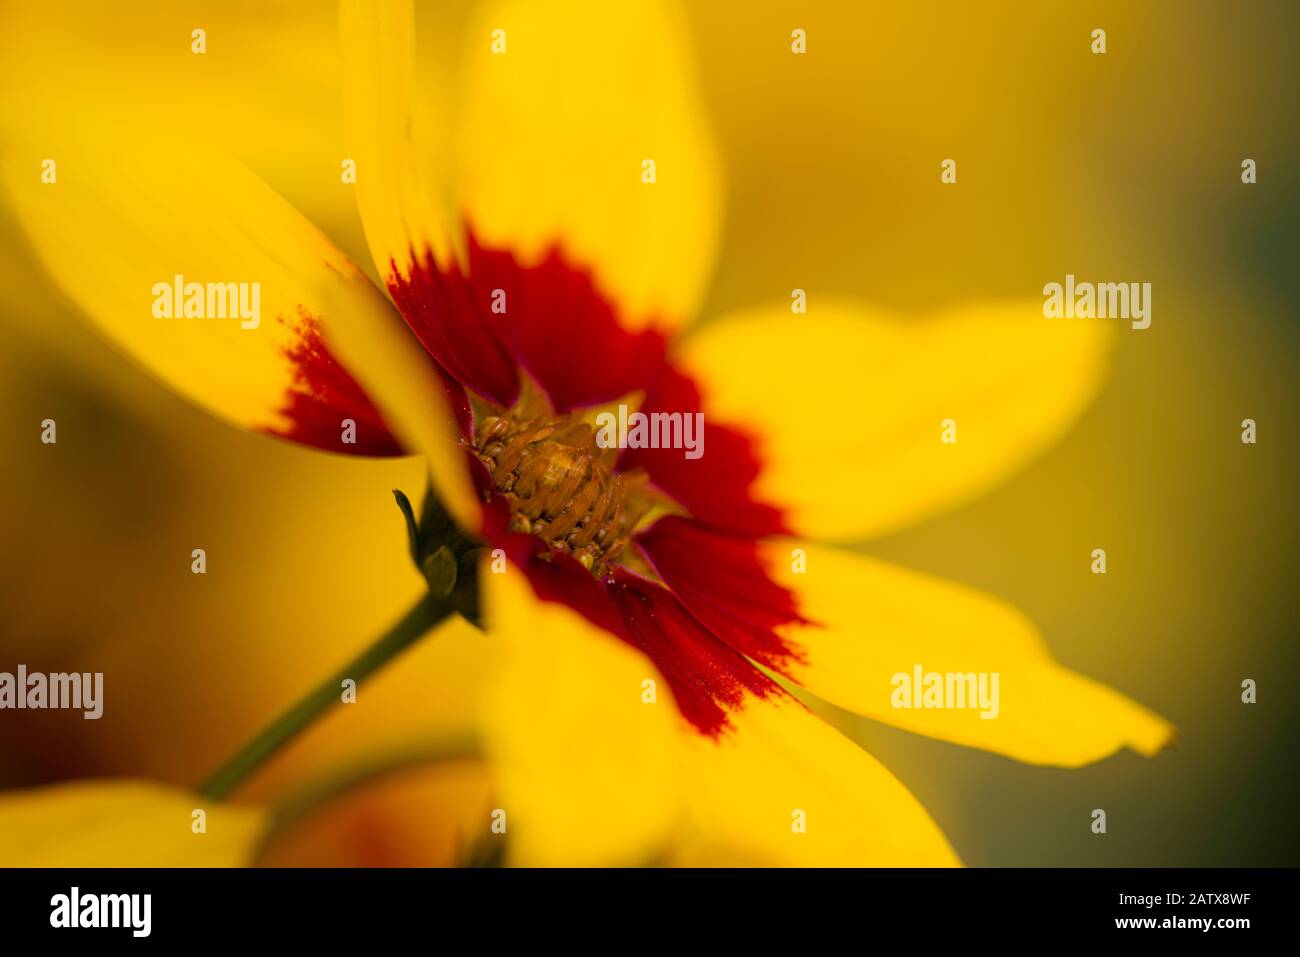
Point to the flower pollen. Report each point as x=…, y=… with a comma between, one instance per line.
x=561, y=486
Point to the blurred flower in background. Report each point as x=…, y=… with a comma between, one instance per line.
x=833, y=179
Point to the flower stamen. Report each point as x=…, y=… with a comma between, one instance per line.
x=560, y=485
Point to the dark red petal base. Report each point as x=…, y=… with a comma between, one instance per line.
x=721, y=579
x=708, y=679
x=323, y=394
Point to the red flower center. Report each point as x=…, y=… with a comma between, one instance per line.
x=525, y=351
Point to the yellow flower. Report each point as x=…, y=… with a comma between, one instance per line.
x=545, y=257
x=124, y=823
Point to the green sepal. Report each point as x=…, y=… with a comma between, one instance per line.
x=446, y=558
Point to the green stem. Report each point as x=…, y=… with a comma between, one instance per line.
x=416, y=623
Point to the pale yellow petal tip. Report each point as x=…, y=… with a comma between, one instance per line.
x=1145, y=734
x=125, y=823
x=1160, y=737
x=1138, y=728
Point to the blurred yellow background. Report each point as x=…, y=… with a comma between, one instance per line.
x=1124, y=166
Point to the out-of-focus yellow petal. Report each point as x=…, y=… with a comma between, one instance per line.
x=397, y=181
x=427, y=816
x=399, y=377
x=123, y=823
x=553, y=136
x=269, y=72
x=876, y=621
x=587, y=771
x=782, y=787
x=850, y=406
x=126, y=215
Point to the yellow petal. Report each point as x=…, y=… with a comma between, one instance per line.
x=291, y=137
x=123, y=823
x=554, y=134
x=397, y=374
x=850, y=406
x=782, y=787
x=875, y=621
x=587, y=771
x=752, y=782
x=426, y=816
x=126, y=215
x=397, y=181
